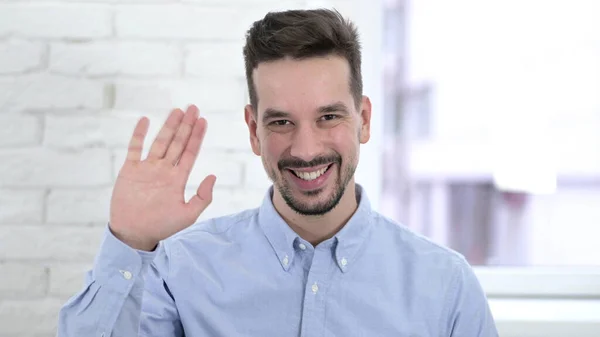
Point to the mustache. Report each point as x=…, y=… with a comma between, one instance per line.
x=299, y=163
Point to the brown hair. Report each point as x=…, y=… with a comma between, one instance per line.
x=301, y=34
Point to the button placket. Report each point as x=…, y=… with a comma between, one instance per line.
x=316, y=288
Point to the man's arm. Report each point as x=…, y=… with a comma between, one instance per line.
x=126, y=292
x=123, y=296
x=470, y=314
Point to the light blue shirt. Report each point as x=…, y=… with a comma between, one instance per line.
x=249, y=274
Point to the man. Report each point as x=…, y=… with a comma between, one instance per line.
x=313, y=260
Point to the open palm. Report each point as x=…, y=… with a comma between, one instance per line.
x=147, y=203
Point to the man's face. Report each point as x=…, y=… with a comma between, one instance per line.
x=307, y=130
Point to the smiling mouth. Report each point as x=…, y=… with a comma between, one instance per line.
x=310, y=175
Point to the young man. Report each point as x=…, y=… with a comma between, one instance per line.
x=313, y=260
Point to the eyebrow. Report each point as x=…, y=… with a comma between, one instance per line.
x=271, y=113
x=334, y=107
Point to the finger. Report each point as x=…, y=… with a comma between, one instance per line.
x=182, y=136
x=188, y=158
x=136, y=144
x=204, y=195
x=165, y=135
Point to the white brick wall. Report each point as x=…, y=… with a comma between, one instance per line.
x=55, y=21
x=21, y=206
x=104, y=58
x=18, y=56
x=214, y=59
x=75, y=75
x=20, y=130
x=43, y=90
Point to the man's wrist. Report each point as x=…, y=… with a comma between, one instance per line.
x=135, y=242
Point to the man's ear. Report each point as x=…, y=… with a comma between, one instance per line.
x=250, y=116
x=365, y=120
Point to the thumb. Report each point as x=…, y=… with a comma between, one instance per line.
x=199, y=202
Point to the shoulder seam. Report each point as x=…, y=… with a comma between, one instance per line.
x=456, y=257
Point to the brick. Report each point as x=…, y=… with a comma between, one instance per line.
x=18, y=56
x=255, y=175
x=67, y=279
x=7, y=91
x=229, y=201
x=23, y=281
x=144, y=95
x=20, y=130
x=43, y=91
x=21, y=206
x=181, y=21
x=88, y=131
x=104, y=58
x=89, y=206
x=215, y=60
x=29, y=317
x=227, y=131
x=226, y=167
x=207, y=94
x=63, y=243
x=45, y=167
x=55, y=20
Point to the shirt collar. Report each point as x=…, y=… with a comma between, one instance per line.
x=348, y=240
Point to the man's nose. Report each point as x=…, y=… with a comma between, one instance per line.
x=306, y=143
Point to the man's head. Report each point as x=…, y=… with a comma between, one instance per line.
x=307, y=115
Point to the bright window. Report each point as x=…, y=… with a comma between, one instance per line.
x=492, y=147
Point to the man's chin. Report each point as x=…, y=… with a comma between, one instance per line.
x=310, y=210
x=313, y=193
x=315, y=202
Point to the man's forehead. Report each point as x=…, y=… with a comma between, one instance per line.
x=307, y=82
x=277, y=72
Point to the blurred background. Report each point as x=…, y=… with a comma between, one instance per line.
x=493, y=119
x=485, y=136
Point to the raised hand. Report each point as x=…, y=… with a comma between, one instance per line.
x=147, y=203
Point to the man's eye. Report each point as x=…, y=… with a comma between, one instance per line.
x=329, y=117
x=282, y=122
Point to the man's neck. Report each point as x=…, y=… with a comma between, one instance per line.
x=316, y=229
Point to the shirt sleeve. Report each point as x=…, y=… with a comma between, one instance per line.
x=470, y=314
x=123, y=295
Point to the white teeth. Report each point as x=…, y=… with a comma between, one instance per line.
x=311, y=175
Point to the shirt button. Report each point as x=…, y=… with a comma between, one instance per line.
x=302, y=246
x=126, y=274
x=315, y=288
x=344, y=262
x=285, y=260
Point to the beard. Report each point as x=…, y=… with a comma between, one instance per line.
x=345, y=172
